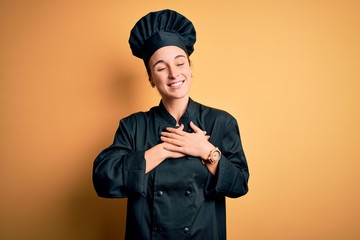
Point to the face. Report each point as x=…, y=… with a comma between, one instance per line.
x=170, y=72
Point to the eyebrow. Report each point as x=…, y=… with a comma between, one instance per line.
x=162, y=61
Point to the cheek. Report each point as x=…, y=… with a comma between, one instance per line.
x=158, y=78
x=187, y=71
x=189, y=74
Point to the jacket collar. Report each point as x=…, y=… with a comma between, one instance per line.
x=185, y=118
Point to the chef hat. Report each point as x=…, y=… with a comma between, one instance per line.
x=159, y=29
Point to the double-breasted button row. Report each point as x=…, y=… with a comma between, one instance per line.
x=159, y=229
x=187, y=193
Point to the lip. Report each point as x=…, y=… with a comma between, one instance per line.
x=177, y=84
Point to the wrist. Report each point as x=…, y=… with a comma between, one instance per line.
x=206, y=151
x=213, y=156
x=156, y=153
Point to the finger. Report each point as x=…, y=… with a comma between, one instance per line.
x=178, y=130
x=167, y=134
x=171, y=141
x=171, y=135
x=195, y=128
x=172, y=148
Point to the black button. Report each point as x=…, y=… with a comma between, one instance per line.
x=157, y=229
x=188, y=157
x=186, y=230
x=160, y=193
x=187, y=193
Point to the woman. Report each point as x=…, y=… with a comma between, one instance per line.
x=178, y=161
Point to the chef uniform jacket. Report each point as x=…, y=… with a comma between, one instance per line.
x=180, y=198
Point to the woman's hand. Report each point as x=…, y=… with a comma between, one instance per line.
x=155, y=155
x=178, y=143
x=194, y=144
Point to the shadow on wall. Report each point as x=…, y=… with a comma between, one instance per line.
x=90, y=216
x=126, y=89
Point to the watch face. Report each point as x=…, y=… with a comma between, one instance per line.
x=216, y=156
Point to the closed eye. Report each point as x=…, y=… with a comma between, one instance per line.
x=160, y=67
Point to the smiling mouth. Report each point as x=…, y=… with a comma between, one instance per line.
x=176, y=84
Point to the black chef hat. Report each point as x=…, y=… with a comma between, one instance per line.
x=159, y=29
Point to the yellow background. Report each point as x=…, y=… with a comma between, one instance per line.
x=289, y=71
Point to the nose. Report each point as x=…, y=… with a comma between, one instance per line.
x=173, y=72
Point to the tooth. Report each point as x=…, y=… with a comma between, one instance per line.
x=176, y=84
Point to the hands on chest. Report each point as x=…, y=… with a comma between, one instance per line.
x=194, y=144
x=178, y=143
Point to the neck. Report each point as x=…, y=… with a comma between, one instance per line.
x=176, y=107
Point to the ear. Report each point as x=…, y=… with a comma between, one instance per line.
x=151, y=82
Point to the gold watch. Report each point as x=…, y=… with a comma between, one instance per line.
x=214, y=156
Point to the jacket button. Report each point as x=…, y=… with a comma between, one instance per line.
x=187, y=193
x=157, y=229
x=186, y=230
x=160, y=193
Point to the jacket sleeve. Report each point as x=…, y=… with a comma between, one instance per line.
x=119, y=170
x=232, y=175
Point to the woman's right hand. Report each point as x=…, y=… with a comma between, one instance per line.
x=155, y=155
